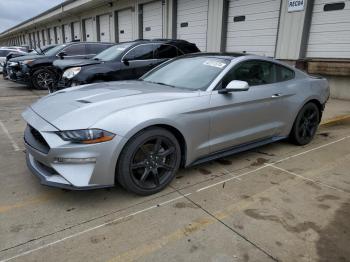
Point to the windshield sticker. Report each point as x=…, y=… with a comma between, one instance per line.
x=214, y=64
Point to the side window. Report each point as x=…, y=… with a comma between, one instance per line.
x=76, y=49
x=4, y=53
x=284, y=73
x=94, y=49
x=166, y=51
x=254, y=72
x=141, y=52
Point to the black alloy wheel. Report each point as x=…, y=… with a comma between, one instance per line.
x=44, y=79
x=305, y=125
x=149, y=162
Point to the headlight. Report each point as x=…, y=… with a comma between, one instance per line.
x=26, y=62
x=86, y=136
x=71, y=72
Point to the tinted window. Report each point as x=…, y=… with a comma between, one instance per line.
x=77, y=49
x=189, y=73
x=165, y=51
x=253, y=72
x=95, y=48
x=141, y=52
x=284, y=74
x=113, y=52
x=4, y=53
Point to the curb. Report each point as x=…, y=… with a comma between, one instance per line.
x=335, y=120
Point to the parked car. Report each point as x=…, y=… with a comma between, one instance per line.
x=37, y=51
x=186, y=111
x=38, y=71
x=129, y=60
x=4, y=52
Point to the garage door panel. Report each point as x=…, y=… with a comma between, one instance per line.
x=67, y=33
x=329, y=32
x=192, y=22
x=260, y=26
x=105, y=28
x=152, y=20
x=76, y=28
x=88, y=29
x=125, y=26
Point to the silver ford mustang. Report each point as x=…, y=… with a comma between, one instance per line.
x=186, y=111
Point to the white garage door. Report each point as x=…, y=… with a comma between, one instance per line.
x=44, y=37
x=152, y=20
x=252, y=26
x=76, y=30
x=88, y=25
x=27, y=37
x=125, y=25
x=192, y=22
x=330, y=30
x=67, y=33
x=105, y=28
x=39, y=38
x=59, y=36
x=52, y=36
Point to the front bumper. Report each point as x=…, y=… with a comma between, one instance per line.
x=44, y=147
x=18, y=74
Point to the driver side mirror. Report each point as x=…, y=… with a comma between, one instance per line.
x=235, y=86
x=62, y=55
x=125, y=61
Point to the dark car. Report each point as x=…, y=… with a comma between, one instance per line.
x=38, y=71
x=37, y=51
x=128, y=60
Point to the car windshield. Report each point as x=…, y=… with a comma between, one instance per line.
x=195, y=73
x=113, y=52
x=55, y=50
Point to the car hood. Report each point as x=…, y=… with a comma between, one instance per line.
x=81, y=107
x=67, y=63
x=26, y=57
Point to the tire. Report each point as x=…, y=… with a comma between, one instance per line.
x=305, y=124
x=44, y=79
x=149, y=161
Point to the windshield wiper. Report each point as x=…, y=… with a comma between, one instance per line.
x=160, y=83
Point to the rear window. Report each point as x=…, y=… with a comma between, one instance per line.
x=166, y=51
x=284, y=73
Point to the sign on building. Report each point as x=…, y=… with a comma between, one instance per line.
x=295, y=5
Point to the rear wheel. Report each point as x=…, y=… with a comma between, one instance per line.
x=305, y=125
x=149, y=161
x=44, y=79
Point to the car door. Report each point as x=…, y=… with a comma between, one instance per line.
x=137, y=61
x=239, y=118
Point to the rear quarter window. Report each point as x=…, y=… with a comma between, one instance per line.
x=284, y=73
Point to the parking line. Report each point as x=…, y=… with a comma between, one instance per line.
x=305, y=178
x=93, y=228
x=7, y=133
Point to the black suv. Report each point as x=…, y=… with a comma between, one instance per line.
x=128, y=60
x=37, y=70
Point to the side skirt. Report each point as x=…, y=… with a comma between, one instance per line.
x=236, y=149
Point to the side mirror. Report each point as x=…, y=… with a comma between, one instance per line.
x=125, y=61
x=235, y=86
x=62, y=55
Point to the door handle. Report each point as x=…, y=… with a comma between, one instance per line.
x=276, y=95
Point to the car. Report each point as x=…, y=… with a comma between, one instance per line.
x=37, y=70
x=124, y=61
x=3, y=54
x=37, y=51
x=186, y=111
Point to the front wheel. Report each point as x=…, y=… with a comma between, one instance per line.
x=305, y=125
x=44, y=79
x=149, y=161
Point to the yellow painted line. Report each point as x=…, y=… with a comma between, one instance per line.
x=335, y=120
x=35, y=200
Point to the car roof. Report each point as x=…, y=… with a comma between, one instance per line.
x=229, y=56
x=157, y=40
